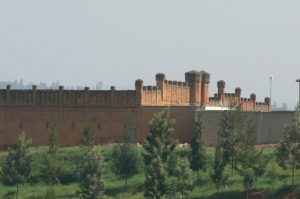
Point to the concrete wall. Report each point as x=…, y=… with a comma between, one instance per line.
x=108, y=123
x=269, y=125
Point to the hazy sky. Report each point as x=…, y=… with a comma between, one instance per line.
x=83, y=42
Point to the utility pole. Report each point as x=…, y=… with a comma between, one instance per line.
x=298, y=104
x=271, y=79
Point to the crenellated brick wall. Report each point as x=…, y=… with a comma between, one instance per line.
x=67, y=98
x=36, y=110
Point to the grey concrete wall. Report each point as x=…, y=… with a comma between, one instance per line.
x=269, y=125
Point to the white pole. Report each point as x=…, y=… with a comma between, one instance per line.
x=299, y=97
x=298, y=104
x=271, y=79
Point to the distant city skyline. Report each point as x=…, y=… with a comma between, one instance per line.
x=116, y=42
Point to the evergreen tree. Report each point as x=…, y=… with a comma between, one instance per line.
x=53, y=142
x=161, y=127
x=171, y=190
x=17, y=166
x=248, y=155
x=54, y=166
x=251, y=164
x=90, y=172
x=90, y=168
x=183, y=178
x=232, y=125
x=288, y=150
x=155, y=174
x=126, y=161
x=172, y=161
x=88, y=137
x=248, y=180
x=158, y=146
x=218, y=176
x=237, y=140
x=198, y=156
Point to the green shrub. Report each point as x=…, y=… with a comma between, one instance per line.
x=34, y=179
x=249, y=179
x=273, y=172
x=69, y=176
x=9, y=195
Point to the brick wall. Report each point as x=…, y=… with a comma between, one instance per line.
x=36, y=110
x=108, y=123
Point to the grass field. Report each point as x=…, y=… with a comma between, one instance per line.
x=274, y=182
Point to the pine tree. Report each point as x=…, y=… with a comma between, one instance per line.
x=161, y=127
x=17, y=166
x=126, y=160
x=158, y=146
x=90, y=175
x=248, y=155
x=232, y=125
x=198, y=156
x=53, y=141
x=183, y=178
x=171, y=190
x=155, y=174
x=218, y=176
x=288, y=150
x=54, y=165
x=88, y=137
x=248, y=180
x=90, y=169
x=251, y=164
x=172, y=161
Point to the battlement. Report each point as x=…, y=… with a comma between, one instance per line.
x=165, y=93
x=67, y=98
x=227, y=99
x=194, y=91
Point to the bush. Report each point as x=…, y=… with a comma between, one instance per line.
x=274, y=172
x=287, y=188
x=69, y=176
x=126, y=161
x=9, y=195
x=249, y=179
x=34, y=179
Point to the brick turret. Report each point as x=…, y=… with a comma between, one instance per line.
x=268, y=102
x=138, y=89
x=34, y=87
x=160, y=78
x=238, y=92
x=8, y=87
x=205, y=88
x=253, y=100
x=160, y=83
x=221, y=87
x=193, y=78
